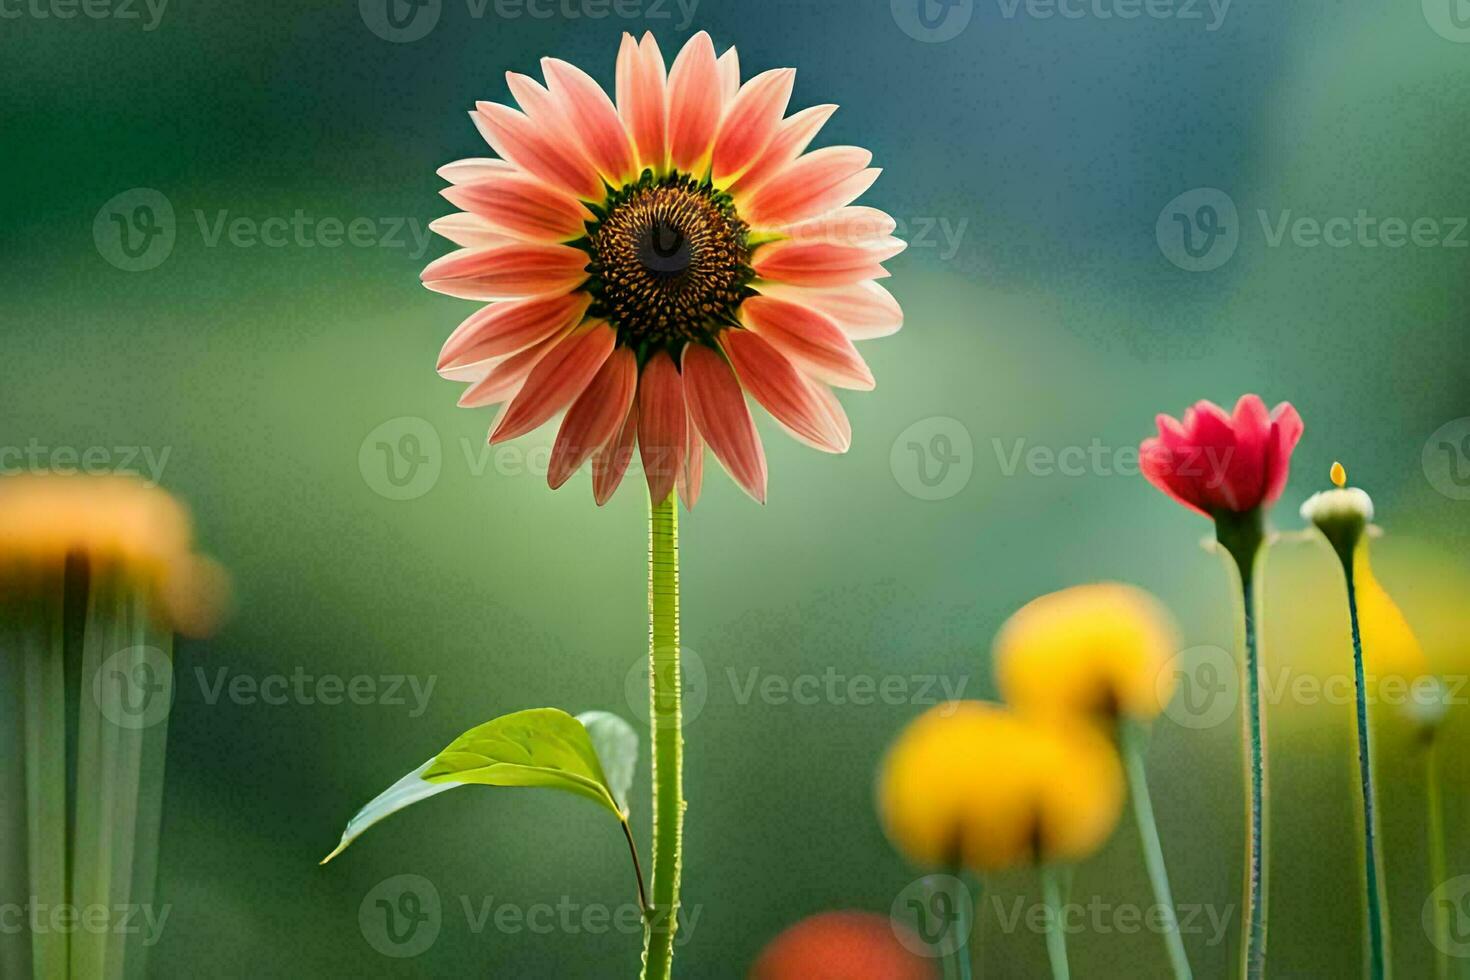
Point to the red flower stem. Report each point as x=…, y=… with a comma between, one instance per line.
x=1242, y=536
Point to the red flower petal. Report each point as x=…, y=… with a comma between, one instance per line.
x=507, y=271
x=824, y=263
x=558, y=377
x=641, y=85
x=504, y=328
x=663, y=424
x=779, y=387
x=594, y=119
x=611, y=461
x=522, y=206
x=792, y=136
x=717, y=406
x=694, y=104
x=808, y=338
x=536, y=150
x=595, y=417
x=691, y=474
x=751, y=121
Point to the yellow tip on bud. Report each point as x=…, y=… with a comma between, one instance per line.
x=1339, y=475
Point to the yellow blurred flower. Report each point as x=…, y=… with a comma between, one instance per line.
x=1091, y=650
x=1391, y=652
x=119, y=521
x=971, y=784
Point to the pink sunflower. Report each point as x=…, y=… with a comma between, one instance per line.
x=652, y=260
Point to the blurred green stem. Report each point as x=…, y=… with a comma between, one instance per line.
x=1131, y=735
x=661, y=920
x=1056, y=935
x=961, y=953
x=1242, y=536
x=1438, y=873
x=1376, y=930
x=44, y=699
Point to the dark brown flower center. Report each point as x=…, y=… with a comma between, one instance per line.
x=669, y=261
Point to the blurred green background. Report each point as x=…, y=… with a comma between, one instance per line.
x=1029, y=160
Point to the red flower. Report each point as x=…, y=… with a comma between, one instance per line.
x=1214, y=461
x=844, y=946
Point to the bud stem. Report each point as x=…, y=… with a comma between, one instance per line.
x=1377, y=930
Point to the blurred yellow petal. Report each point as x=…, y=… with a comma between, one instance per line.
x=121, y=521
x=971, y=784
x=1091, y=650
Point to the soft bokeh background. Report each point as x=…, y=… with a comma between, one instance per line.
x=1028, y=159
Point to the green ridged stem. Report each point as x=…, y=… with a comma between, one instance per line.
x=1242, y=535
x=665, y=721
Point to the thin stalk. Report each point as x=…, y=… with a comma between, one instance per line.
x=960, y=954
x=948, y=947
x=44, y=704
x=1056, y=935
x=637, y=867
x=1438, y=874
x=1131, y=738
x=1376, y=936
x=661, y=921
x=977, y=933
x=1242, y=536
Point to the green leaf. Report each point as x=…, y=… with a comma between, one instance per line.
x=537, y=747
x=617, y=748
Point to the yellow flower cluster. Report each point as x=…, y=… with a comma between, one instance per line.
x=973, y=785
x=986, y=787
x=113, y=520
x=1090, y=651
